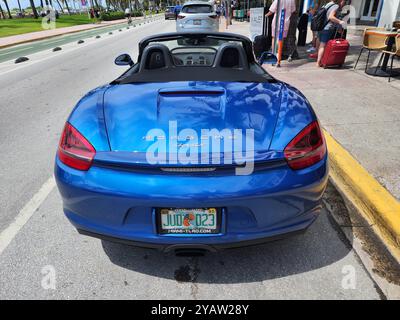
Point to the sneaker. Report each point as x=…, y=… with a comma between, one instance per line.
x=311, y=49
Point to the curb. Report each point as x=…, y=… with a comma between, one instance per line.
x=58, y=35
x=366, y=194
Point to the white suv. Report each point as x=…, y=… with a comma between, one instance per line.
x=197, y=16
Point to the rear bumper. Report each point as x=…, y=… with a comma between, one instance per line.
x=120, y=205
x=191, y=28
x=206, y=247
x=170, y=16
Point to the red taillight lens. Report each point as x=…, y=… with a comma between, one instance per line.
x=180, y=17
x=214, y=16
x=307, y=148
x=74, y=150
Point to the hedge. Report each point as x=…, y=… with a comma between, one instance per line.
x=108, y=16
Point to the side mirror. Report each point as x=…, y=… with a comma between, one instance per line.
x=124, y=60
x=268, y=58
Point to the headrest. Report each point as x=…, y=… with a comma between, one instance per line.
x=231, y=55
x=155, y=56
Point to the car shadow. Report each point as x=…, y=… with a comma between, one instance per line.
x=323, y=244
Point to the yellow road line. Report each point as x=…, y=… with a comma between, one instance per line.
x=373, y=201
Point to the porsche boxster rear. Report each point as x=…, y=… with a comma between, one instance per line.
x=192, y=164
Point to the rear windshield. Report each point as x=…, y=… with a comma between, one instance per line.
x=197, y=8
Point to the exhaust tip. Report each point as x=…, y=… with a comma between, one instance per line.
x=190, y=252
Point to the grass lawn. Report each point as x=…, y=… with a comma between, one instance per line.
x=10, y=27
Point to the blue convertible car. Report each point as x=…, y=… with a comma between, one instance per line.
x=194, y=148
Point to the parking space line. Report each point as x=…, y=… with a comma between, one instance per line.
x=7, y=235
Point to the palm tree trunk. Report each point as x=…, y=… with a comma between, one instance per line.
x=59, y=4
x=66, y=5
x=19, y=6
x=35, y=13
x=8, y=9
x=2, y=13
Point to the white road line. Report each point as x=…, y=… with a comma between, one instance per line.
x=21, y=49
x=7, y=235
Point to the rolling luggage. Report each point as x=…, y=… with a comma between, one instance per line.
x=335, y=53
x=263, y=42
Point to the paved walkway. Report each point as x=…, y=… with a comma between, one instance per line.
x=40, y=35
x=361, y=112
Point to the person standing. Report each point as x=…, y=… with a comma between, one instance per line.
x=275, y=9
x=312, y=10
x=332, y=11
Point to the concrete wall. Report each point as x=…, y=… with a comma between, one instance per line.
x=357, y=4
x=390, y=12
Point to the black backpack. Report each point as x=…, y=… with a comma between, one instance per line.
x=320, y=19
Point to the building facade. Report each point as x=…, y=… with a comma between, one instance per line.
x=373, y=12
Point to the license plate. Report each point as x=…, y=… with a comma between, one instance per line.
x=188, y=221
x=197, y=22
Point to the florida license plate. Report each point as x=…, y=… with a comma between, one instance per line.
x=189, y=221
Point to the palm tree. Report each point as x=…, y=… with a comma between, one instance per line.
x=19, y=6
x=8, y=9
x=66, y=5
x=59, y=4
x=35, y=13
x=2, y=13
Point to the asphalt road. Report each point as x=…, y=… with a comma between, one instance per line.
x=35, y=100
x=11, y=53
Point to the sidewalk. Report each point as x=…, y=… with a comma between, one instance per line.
x=40, y=35
x=361, y=112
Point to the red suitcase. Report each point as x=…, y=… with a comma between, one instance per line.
x=335, y=53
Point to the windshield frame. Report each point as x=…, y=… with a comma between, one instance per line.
x=246, y=43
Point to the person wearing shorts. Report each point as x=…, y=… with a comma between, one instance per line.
x=327, y=33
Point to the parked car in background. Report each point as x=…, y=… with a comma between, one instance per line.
x=197, y=16
x=170, y=13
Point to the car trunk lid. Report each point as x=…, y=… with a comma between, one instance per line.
x=138, y=116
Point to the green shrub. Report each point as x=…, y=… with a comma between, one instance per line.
x=109, y=16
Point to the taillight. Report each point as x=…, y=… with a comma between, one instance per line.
x=214, y=16
x=307, y=148
x=75, y=150
x=180, y=17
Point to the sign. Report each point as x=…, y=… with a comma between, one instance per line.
x=256, y=22
x=281, y=30
x=282, y=24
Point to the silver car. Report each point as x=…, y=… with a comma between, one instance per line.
x=197, y=16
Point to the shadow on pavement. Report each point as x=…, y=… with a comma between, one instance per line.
x=323, y=244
